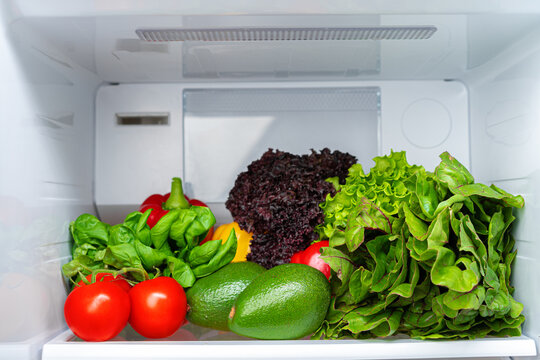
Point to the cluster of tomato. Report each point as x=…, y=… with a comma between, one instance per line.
x=99, y=310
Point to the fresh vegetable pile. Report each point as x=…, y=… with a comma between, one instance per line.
x=161, y=257
x=277, y=199
x=399, y=250
x=419, y=253
x=171, y=247
x=243, y=239
x=162, y=204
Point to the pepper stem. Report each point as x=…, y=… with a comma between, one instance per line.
x=176, y=200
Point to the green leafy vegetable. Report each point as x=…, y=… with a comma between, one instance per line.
x=170, y=248
x=419, y=253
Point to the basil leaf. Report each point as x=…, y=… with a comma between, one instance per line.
x=222, y=257
x=202, y=254
x=81, y=264
x=136, y=221
x=87, y=229
x=191, y=226
x=180, y=271
x=121, y=234
x=122, y=255
x=160, y=232
x=150, y=257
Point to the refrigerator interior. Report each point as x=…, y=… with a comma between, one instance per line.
x=93, y=119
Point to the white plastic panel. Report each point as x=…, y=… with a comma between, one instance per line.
x=110, y=46
x=46, y=167
x=134, y=161
x=241, y=124
x=66, y=347
x=280, y=60
x=423, y=118
x=505, y=126
x=426, y=119
x=106, y=7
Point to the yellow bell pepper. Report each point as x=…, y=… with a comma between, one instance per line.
x=243, y=239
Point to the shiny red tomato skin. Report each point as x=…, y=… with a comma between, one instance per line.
x=105, y=277
x=97, y=312
x=312, y=257
x=158, y=307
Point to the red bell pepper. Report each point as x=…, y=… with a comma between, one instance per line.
x=161, y=204
x=311, y=257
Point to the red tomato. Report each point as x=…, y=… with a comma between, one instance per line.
x=105, y=277
x=97, y=312
x=311, y=257
x=158, y=307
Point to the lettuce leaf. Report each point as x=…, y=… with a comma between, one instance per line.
x=428, y=255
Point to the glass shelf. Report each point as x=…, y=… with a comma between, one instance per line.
x=193, y=342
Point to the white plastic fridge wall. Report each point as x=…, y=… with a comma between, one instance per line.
x=55, y=55
x=294, y=116
x=46, y=178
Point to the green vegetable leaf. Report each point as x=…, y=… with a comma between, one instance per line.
x=136, y=221
x=121, y=255
x=426, y=193
x=87, y=229
x=180, y=271
x=416, y=226
x=202, y=254
x=160, y=232
x=406, y=290
x=150, y=257
x=82, y=264
x=491, y=192
x=452, y=172
x=222, y=257
x=469, y=300
x=341, y=264
x=360, y=284
x=446, y=273
x=121, y=234
x=191, y=226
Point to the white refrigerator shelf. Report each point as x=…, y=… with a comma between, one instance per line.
x=67, y=346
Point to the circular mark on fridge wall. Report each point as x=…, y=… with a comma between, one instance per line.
x=426, y=123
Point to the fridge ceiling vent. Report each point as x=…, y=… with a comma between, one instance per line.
x=287, y=34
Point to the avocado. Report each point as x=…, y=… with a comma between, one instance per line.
x=210, y=299
x=288, y=301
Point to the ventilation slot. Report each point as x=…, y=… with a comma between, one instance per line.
x=287, y=34
x=142, y=119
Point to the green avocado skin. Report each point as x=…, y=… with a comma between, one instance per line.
x=211, y=298
x=289, y=301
